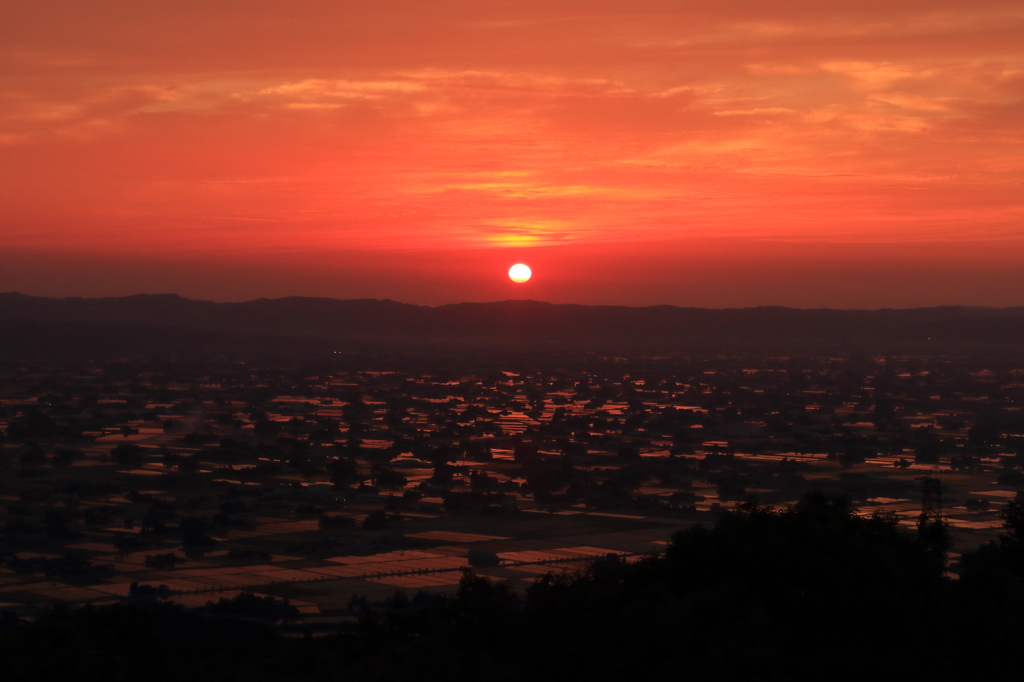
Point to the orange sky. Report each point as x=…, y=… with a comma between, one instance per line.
x=708, y=153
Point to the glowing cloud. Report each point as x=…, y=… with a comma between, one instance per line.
x=264, y=131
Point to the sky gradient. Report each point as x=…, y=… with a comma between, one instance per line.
x=707, y=153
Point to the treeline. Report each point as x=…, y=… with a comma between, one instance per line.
x=811, y=592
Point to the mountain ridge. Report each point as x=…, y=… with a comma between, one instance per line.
x=523, y=321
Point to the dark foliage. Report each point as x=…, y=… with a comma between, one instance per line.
x=127, y=455
x=248, y=605
x=808, y=593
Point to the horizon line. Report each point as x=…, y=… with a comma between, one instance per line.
x=505, y=301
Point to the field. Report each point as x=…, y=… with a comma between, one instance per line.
x=140, y=481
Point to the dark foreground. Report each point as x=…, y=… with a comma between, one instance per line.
x=811, y=592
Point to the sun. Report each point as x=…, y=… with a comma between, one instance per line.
x=520, y=273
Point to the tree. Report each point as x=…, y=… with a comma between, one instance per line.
x=32, y=456
x=1013, y=519
x=127, y=455
x=376, y=520
x=387, y=479
x=66, y=456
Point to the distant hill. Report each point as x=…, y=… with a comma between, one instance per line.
x=154, y=321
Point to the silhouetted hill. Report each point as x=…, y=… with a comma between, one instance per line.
x=146, y=321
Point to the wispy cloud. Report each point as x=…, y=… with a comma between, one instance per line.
x=475, y=125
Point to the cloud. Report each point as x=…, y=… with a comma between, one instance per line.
x=371, y=125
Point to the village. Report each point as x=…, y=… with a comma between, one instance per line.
x=300, y=494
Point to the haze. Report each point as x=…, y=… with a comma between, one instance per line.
x=841, y=154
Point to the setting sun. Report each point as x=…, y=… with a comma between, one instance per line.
x=520, y=273
x=779, y=150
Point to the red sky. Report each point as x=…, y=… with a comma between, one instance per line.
x=705, y=152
